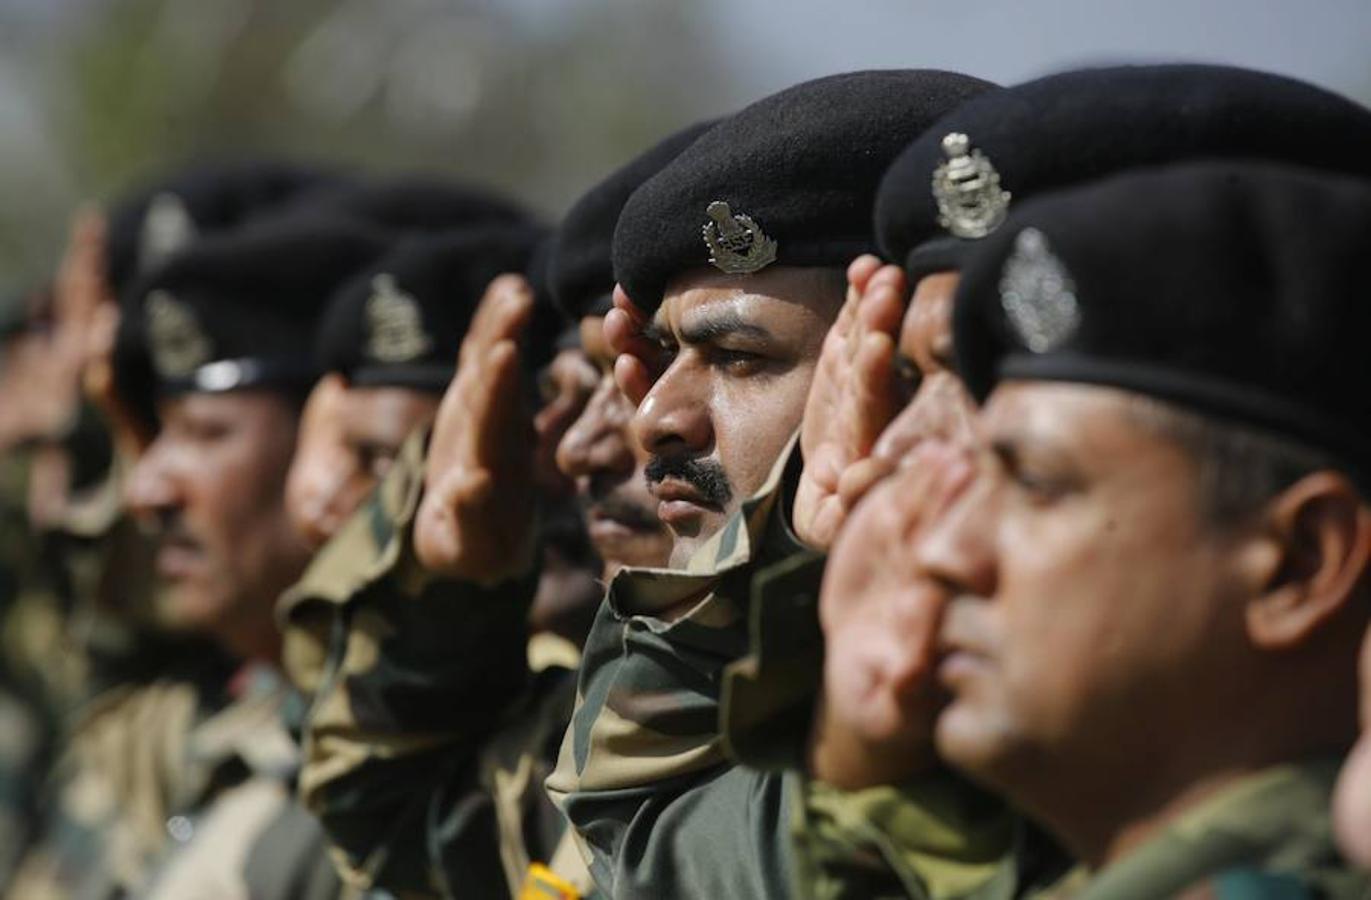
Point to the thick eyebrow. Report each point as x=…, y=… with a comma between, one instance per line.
x=712, y=327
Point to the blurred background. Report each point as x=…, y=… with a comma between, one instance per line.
x=539, y=97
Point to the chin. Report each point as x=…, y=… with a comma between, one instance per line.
x=188, y=606
x=972, y=742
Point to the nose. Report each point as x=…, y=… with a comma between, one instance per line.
x=598, y=441
x=151, y=487
x=957, y=538
x=674, y=416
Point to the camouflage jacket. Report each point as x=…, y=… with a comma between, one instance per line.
x=935, y=837
x=168, y=791
x=427, y=736
x=658, y=807
x=1268, y=835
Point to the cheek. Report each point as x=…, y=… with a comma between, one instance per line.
x=1079, y=621
x=239, y=496
x=753, y=419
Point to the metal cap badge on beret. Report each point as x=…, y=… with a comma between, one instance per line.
x=580, y=267
x=1236, y=289
x=240, y=309
x=400, y=322
x=159, y=218
x=152, y=222
x=956, y=183
x=788, y=181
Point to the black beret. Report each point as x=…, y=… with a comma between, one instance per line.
x=401, y=321
x=581, y=267
x=1009, y=145
x=414, y=203
x=161, y=217
x=1236, y=289
x=241, y=309
x=789, y=179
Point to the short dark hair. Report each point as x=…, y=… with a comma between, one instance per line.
x=1241, y=467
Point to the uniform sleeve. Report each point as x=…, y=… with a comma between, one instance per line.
x=409, y=675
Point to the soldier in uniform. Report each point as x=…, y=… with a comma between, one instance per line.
x=944, y=194
x=416, y=798
x=734, y=258
x=185, y=788
x=1156, y=560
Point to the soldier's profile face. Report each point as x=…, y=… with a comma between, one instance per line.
x=599, y=453
x=1089, y=592
x=1352, y=800
x=212, y=485
x=742, y=351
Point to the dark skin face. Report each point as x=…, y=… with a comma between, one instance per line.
x=599, y=453
x=211, y=486
x=742, y=352
x=349, y=437
x=1050, y=643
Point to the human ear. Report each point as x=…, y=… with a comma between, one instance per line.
x=1322, y=530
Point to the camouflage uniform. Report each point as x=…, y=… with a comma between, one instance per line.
x=428, y=738
x=666, y=710
x=1268, y=835
x=658, y=807
x=180, y=789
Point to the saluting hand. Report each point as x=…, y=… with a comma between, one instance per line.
x=880, y=614
x=476, y=518
x=855, y=394
x=639, y=361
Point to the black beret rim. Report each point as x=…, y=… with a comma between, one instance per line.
x=942, y=254
x=253, y=372
x=429, y=378
x=1201, y=392
x=837, y=253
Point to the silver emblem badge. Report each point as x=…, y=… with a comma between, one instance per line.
x=967, y=188
x=1037, y=294
x=176, y=341
x=395, y=325
x=167, y=228
x=737, y=245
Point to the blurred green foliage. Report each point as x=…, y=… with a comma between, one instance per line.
x=534, y=97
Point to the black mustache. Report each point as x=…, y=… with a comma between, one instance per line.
x=706, y=476
x=168, y=528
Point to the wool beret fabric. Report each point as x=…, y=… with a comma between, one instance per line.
x=802, y=165
x=581, y=266
x=241, y=309
x=1069, y=128
x=400, y=322
x=1234, y=289
x=154, y=220
x=410, y=204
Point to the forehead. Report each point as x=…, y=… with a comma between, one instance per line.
x=775, y=300
x=1101, y=427
x=250, y=404
x=376, y=404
